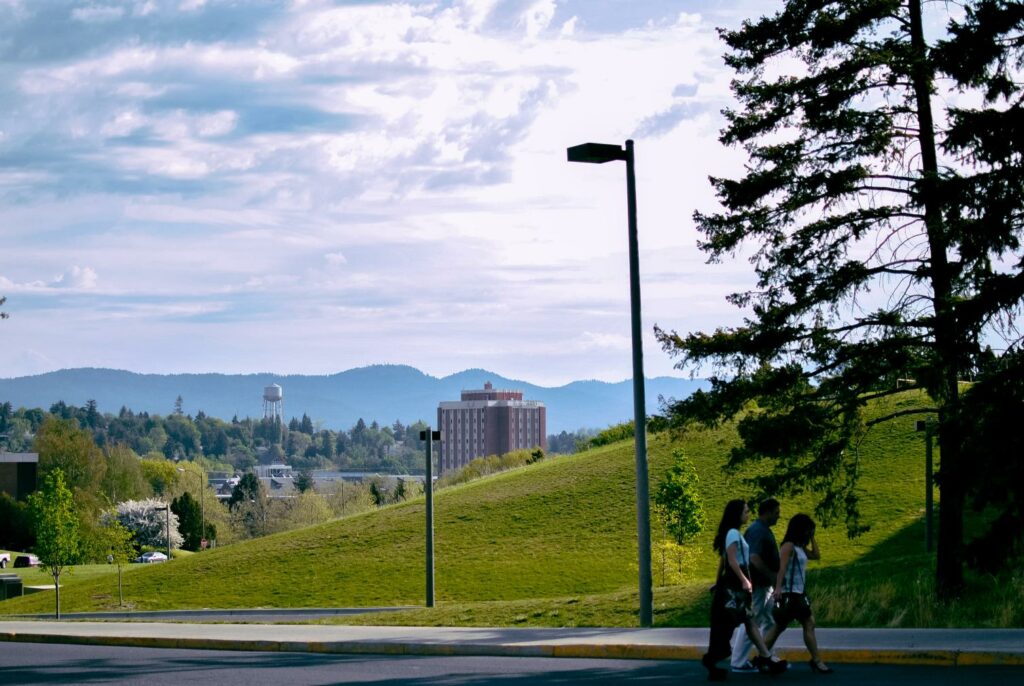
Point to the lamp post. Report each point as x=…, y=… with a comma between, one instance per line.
x=428, y=490
x=928, y=426
x=599, y=153
x=167, y=531
x=202, y=505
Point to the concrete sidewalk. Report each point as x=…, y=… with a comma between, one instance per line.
x=944, y=647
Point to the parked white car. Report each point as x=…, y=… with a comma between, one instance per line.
x=5, y=560
x=26, y=560
x=151, y=557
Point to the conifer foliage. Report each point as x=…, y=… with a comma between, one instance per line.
x=884, y=224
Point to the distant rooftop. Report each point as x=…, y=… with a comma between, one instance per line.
x=19, y=457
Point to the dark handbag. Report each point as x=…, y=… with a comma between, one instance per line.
x=790, y=606
x=737, y=604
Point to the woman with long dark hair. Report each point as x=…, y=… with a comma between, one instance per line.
x=791, y=601
x=731, y=599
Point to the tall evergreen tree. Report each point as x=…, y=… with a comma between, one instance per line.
x=886, y=239
x=190, y=520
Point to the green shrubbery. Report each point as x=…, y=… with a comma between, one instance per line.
x=492, y=464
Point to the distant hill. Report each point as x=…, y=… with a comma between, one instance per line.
x=380, y=392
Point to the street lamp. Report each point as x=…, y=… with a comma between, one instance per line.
x=202, y=504
x=599, y=153
x=167, y=523
x=928, y=426
x=428, y=490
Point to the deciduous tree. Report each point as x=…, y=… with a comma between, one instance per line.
x=56, y=526
x=119, y=542
x=123, y=478
x=678, y=500
x=62, y=445
x=149, y=522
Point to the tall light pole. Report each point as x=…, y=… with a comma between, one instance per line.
x=928, y=426
x=428, y=490
x=599, y=153
x=167, y=523
x=202, y=505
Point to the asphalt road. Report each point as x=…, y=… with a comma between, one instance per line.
x=34, y=663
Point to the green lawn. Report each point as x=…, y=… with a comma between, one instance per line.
x=37, y=576
x=551, y=543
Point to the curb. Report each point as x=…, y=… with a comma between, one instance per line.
x=934, y=658
x=239, y=613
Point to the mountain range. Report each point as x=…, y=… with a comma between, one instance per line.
x=378, y=392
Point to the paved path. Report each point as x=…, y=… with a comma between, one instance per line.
x=945, y=647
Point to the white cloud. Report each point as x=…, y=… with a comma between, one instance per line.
x=74, y=279
x=96, y=14
x=336, y=259
x=589, y=340
x=387, y=159
x=124, y=123
x=216, y=124
x=569, y=27
x=77, y=278
x=475, y=12
x=537, y=17
x=27, y=362
x=144, y=9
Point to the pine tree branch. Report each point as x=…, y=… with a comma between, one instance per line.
x=896, y=415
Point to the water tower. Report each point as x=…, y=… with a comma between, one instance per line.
x=273, y=402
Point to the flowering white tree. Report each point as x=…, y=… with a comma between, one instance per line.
x=148, y=520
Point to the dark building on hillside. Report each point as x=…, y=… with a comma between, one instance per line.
x=488, y=422
x=18, y=473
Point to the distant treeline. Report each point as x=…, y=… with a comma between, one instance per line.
x=242, y=443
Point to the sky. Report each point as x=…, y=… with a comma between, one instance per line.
x=306, y=187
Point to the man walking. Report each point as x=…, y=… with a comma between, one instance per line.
x=764, y=566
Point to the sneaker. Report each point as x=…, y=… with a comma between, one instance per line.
x=768, y=665
x=746, y=668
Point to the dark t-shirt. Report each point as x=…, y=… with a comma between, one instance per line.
x=762, y=542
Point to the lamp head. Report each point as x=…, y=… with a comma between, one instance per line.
x=596, y=153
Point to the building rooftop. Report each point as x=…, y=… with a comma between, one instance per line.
x=19, y=457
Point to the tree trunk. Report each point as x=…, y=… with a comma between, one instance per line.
x=949, y=565
x=56, y=588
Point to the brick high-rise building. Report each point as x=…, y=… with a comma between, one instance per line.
x=488, y=422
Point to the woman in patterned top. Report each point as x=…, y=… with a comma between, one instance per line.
x=798, y=546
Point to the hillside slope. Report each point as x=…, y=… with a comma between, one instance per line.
x=562, y=527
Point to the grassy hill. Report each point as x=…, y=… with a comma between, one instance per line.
x=551, y=543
